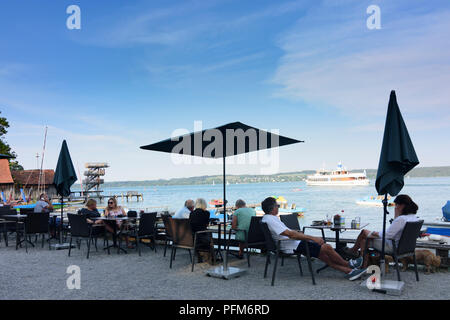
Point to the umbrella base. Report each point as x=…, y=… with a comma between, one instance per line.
x=61, y=246
x=390, y=287
x=231, y=273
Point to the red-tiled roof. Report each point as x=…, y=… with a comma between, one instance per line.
x=5, y=173
x=31, y=177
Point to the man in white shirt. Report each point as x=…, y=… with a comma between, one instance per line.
x=184, y=212
x=298, y=241
x=43, y=205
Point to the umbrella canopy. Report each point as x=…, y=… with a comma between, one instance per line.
x=5, y=156
x=397, y=153
x=65, y=175
x=396, y=159
x=237, y=138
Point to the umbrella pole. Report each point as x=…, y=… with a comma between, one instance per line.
x=225, y=272
x=225, y=260
x=61, y=221
x=385, y=213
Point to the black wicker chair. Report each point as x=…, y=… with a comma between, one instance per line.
x=405, y=247
x=274, y=248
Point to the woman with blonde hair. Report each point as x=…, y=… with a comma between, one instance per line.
x=114, y=210
x=91, y=212
x=199, y=222
x=200, y=216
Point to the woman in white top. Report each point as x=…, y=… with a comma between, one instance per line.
x=114, y=210
x=405, y=211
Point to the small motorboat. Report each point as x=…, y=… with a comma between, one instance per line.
x=374, y=201
x=299, y=211
x=216, y=202
x=56, y=205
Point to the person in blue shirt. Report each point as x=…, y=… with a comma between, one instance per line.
x=185, y=212
x=43, y=205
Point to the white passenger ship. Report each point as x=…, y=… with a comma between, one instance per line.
x=338, y=177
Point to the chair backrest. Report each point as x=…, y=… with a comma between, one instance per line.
x=410, y=233
x=291, y=221
x=26, y=210
x=7, y=211
x=255, y=233
x=132, y=214
x=270, y=243
x=4, y=208
x=37, y=223
x=167, y=224
x=79, y=227
x=182, y=232
x=147, y=223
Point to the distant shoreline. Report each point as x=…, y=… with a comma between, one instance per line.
x=420, y=172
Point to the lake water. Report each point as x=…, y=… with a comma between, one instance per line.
x=430, y=194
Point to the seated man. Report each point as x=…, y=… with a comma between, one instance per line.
x=299, y=241
x=43, y=205
x=185, y=212
x=241, y=220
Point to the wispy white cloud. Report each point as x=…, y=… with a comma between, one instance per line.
x=344, y=65
x=180, y=24
x=179, y=73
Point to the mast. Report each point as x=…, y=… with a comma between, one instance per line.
x=41, y=176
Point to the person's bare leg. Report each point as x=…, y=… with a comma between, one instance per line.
x=241, y=249
x=360, y=241
x=324, y=256
x=109, y=228
x=333, y=255
x=365, y=257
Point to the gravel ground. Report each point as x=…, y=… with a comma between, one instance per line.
x=41, y=274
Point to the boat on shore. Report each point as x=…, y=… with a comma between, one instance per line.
x=441, y=226
x=374, y=201
x=281, y=212
x=338, y=177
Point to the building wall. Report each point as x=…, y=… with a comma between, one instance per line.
x=7, y=189
x=50, y=190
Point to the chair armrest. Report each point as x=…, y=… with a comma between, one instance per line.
x=236, y=229
x=204, y=231
x=279, y=243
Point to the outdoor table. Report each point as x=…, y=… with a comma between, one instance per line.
x=114, y=225
x=18, y=218
x=337, y=229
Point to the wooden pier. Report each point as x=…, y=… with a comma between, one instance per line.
x=128, y=196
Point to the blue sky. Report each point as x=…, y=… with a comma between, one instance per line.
x=138, y=70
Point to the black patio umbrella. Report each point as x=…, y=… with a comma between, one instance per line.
x=227, y=140
x=396, y=159
x=64, y=178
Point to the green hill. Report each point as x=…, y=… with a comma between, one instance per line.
x=280, y=177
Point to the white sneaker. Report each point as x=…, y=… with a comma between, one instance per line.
x=355, y=274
